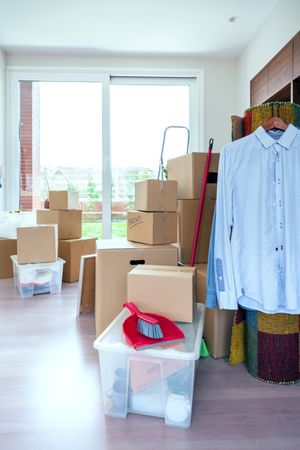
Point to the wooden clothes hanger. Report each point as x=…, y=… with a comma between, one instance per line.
x=275, y=122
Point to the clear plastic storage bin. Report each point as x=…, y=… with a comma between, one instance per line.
x=38, y=278
x=157, y=381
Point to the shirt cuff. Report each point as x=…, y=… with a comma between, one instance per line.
x=211, y=300
x=227, y=300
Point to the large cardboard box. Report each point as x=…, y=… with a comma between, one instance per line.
x=115, y=258
x=71, y=251
x=187, y=218
x=156, y=195
x=188, y=171
x=8, y=247
x=218, y=322
x=153, y=228
x=69, y=221
x=37, y=244
x=166, y=290
x=63, y=200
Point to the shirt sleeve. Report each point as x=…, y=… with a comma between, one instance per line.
x=223, y=262
x=211, y=293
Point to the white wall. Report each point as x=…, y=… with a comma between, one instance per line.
x=282, y=24
x=2, y=122
x=220, y=82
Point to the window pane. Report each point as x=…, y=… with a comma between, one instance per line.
x=139, y=116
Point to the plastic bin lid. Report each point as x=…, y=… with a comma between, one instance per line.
x=59, y=261
x=112, y=339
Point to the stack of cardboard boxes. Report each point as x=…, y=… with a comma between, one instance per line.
x=37, y=268
x=188, y=171
x=115, y=258
x=154, y=218
x=146, y=258
x=9, y=221
x=170, y=290
x=64, y=211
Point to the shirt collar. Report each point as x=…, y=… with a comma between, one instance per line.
x=285, y=140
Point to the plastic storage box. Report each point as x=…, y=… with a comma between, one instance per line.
x=157, y=381
x=39, y=278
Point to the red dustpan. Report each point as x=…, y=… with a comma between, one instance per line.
x=133, y=337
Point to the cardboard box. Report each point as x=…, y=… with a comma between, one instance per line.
x=115, y=258
x=87, y=285
x=69, y=221
x=218, y=322
x=166, y=290
x=188, y=171
x=63, y=200
x=71, y=251
x=8, y=247
x=152, y=228
x=37, y=244
x=201, y=282
x=156, y=195
x=187, y=218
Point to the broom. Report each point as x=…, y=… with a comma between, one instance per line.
x=203, y=349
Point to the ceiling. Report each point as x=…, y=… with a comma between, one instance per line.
x=131, y=27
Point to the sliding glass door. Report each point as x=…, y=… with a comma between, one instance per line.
x=97, y=134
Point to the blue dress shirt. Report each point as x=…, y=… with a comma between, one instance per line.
x=256, y=247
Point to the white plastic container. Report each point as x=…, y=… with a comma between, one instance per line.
x=10, y=221
x=39, y=278
x=157, y=381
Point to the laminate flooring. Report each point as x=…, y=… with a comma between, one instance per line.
x=50, y=391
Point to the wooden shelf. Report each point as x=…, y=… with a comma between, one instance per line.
x=283, y=95
x=296, y=90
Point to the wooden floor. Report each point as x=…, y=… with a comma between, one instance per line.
x=50, y=391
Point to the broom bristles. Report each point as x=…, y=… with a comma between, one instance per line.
x=149, y=330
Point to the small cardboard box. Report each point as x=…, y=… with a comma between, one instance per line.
x=8, y=247
x=218, y=322
x=115, y=258
x=63, y=200
x=69, y=221
x=156, y=195
x=187, y=218
x=153, y=228
x=71, y=251
x=37, y=244
x=166, y=290
x=188, y=171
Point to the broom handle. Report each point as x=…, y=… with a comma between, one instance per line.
x=135, y=311
x=201, y=202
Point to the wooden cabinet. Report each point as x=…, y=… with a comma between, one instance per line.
x=296, y=69
x=259, y=87
x=279, y=80
x=280, y=70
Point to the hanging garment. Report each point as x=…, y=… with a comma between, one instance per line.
x=257, y=225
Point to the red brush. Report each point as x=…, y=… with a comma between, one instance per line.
x=141, y=330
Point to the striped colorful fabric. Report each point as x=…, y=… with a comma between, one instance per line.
x=268, y=343
x=255, y=116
